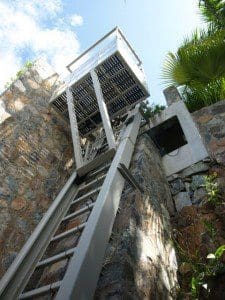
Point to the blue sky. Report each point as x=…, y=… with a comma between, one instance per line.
x=60, y=30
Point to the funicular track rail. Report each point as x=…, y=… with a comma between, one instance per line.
x=95, y=200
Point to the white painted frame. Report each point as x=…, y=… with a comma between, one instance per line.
x=188, y=154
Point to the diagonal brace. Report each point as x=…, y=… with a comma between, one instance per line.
x=125, y=172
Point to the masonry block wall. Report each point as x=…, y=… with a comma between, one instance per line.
x=35, y=160
x=140, y=260
x=199, y=225
x=211, y=123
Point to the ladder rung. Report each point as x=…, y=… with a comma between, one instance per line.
x=80, y=199
x=79, y=212
x=68, y=232
x=103, y=146
x=55, y=258
x=41, y=291
x=94, y=173
x=82, y=188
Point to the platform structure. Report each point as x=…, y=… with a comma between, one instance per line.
x=105, y=82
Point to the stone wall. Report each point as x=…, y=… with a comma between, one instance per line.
x=198, y=224
x=140, y=261
x=211, y=123
x=187, y=186
x=35, y=159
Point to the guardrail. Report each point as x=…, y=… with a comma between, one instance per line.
x=114, y=34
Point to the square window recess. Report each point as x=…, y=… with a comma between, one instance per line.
x=168, y=136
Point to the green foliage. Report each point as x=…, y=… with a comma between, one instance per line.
x=212, y=231
x=26, y=66
x=219, y=251
x=213, y=12
x=151, y=110
x=204, y=272
x=212, y=189
x=198, y=61
x=200, y=95
x=198, y=67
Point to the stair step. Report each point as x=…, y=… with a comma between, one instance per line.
x=46, y=289
x=103, y=146
x=68, y=232
x=96, y=162
x=83, y=188
x=94, y=173
x=79, y=212
x=55, y=258
x=88, y=195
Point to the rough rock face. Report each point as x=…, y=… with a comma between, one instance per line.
x=198, y=231
x=198, y=226
x=187, y=185
x=140, y=261
x=35, y=160
x=211, y=123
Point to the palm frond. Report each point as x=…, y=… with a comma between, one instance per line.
x=198, y=96
x=200, y=59
x=213, y=12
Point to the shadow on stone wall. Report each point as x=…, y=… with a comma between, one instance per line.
x=140, y=261
x=35, y=160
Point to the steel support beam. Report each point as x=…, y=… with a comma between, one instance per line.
x=84, y=268
x=129, y=177
x=103, y=110
x=74, y=129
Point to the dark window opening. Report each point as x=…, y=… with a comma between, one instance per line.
x=168, y=136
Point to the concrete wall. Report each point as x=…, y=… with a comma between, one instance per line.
x=140, y=260
x=35, y=159
x=189, y=153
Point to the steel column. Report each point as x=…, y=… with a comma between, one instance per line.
x=74, y=129
x=103, y=110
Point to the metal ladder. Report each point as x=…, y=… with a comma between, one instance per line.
x=74, y=232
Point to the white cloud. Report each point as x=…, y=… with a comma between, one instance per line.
x=76, y=20
x=39, y=8
x=23, y=28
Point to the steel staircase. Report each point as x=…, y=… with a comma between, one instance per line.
x=63, y=257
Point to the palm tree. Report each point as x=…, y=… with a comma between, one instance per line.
x=198, y=67
x=213, y=12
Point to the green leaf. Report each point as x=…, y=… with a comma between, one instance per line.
x=193, y=283
x=219, y=251
x=198, y=68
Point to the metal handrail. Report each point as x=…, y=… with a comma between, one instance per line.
x=99, y=41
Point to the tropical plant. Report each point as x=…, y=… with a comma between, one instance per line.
x=198, y=67
x=213, y=12
x=203, y=273
x=212, y=189
x=151, y=110
x=25, y=67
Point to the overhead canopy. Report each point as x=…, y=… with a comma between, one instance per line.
x=121, y=77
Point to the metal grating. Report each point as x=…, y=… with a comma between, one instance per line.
x=121, y=90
